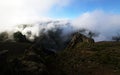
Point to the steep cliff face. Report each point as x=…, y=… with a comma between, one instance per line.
x=79, y=38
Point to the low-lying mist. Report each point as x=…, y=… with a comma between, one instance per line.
x=51, y=34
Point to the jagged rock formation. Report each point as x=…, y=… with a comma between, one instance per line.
x=77, y=38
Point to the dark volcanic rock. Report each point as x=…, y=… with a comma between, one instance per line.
x=30, y=64
x=78, y=38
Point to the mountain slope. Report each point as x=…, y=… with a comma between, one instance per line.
x=82, y=56
x=101, y=58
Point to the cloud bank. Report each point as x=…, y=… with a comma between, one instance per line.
x=107, y=24
x=37, y=28
x=14, y=12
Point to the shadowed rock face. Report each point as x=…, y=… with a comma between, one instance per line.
x=78, y=38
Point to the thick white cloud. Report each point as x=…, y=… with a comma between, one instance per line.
x=106, y=24
x=25, y=11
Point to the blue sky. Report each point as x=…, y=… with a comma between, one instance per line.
x=78, y=7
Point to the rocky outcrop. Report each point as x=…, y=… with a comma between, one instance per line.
x=30, y=64
x=79, y=38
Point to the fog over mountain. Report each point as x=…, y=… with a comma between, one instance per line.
x=37, y=28
x=107, y=25
x=46, y=14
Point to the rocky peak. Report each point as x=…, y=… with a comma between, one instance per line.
x=79, y=38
